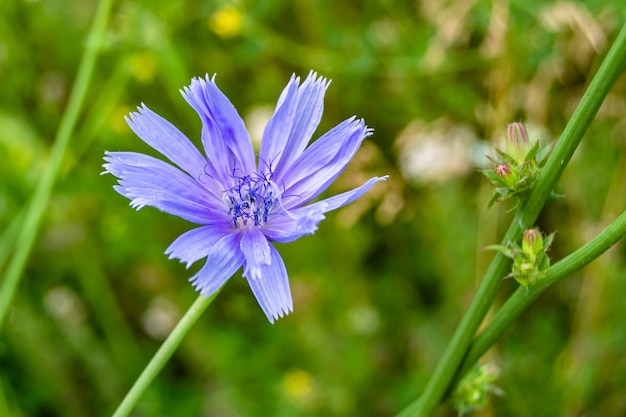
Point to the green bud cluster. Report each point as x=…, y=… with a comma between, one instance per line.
x=529, y=259
x=472, y=393
x=514, y=171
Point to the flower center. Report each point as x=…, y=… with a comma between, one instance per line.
x=251, y=200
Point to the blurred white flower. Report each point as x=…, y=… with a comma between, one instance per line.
x=256, y=119
x=364, y=320
x=64, y=305
x=431, y=153
x=160, y=318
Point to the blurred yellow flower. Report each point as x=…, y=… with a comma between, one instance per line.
x=226, y=22
x=143, y=66
x=298, y=384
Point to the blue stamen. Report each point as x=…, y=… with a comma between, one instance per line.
x=251, y=200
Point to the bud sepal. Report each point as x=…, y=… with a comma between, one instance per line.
x=514, y=172
x=530, y=260
x=472, y=393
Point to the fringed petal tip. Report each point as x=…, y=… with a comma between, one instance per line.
x=275, y=306
x=205, y=288
x=196, y=244
x=308, y=220
x=280, y=314
x=359, y=125
x=199, y=285
x=278, y=311
x=197, y=83
x=222, y=261
x=135, y=201
x=271, y=289
x=142, y=110
x=111, y=162
x=313, y=77
x=171, y=257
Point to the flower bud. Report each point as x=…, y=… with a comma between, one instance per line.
x=517, y=143
x=532, y=243
x=507, y=177
x=472, y=393
x=503, y=170
x=530, y=259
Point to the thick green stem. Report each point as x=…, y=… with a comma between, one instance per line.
x=525, y=216
x=524, y=296
x=34, y=214
x=164, y=353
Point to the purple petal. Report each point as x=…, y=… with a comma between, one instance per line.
x=340, y=200
x=197, y=243
x=279, y=126
x=271, y=289
x=223, y=260
x=148, y=181
x=322, y=162
x=297, y=115
x=256, y=251
x=304, y=220
x=301, y=222
x=224, y=136
x=152, y=177
x=167, y=139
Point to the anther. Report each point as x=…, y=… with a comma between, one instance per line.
x=251, y=200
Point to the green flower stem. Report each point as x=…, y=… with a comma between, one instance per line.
x=525, y=217
x=526, y=295
x=8, y=237
x=164, y=353
x=34, y=214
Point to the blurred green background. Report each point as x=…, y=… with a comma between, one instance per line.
x=380, y=288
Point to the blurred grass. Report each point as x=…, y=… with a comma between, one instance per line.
x=381, y=286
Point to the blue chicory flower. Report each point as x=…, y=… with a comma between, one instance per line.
x=240, y=204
